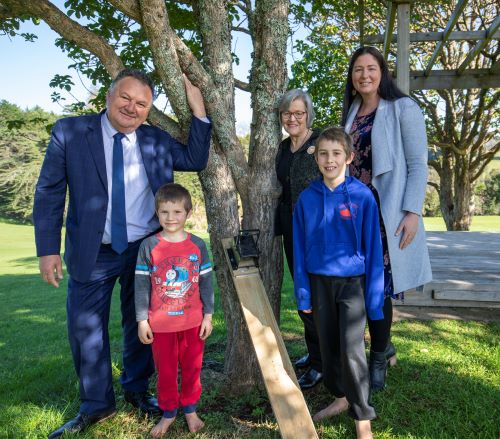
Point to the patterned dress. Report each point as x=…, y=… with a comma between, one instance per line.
x=361, y=168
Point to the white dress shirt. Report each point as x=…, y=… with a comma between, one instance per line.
x=139, y=198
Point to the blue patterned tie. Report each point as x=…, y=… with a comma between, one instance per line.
x=119, y=241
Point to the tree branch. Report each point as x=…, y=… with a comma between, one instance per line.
x=269, y=26
x=241, y=29
x=467, y=115
x=163, y=121
x=160, y=35
x=131, y=8
x=486, y=158
x=494, y=101
x=434, y=185
x=480, y=146
x=431, y=108
x=244, y=5
x=71, y=31
x=451, y=146
x=215, y=30
x=477, y=116
x=188, y=62
x=245, y=86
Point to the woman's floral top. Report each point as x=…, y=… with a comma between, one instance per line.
x=361, y=168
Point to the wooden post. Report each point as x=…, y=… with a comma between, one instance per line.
x=449, y=26
x=287, y=400
x=389, y=28
x=403, y=58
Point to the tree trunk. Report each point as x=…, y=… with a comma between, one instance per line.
x=223, y=221
x=255, y=183
x=228, y=173
x=455, y=192
x=269, y=27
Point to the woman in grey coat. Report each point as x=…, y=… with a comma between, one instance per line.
x=389, y=135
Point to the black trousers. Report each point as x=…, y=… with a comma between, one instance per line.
x=310, y=335
x=340, y=317
x=380, y=330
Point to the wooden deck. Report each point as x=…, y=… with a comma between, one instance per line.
x=465, y=268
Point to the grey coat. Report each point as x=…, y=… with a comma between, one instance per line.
x=399, y=174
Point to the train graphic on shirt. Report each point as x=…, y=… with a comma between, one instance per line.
x=174, y=279
x=176, y=282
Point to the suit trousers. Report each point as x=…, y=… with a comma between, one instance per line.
x=88, y=307
x=171, y=350
x=340, y=317
x=310, y=335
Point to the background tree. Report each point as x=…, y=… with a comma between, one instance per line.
x=23, y=140
x=462, y=125
x=324, y=56
x=169, y=38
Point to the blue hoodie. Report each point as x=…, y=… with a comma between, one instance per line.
x=337, y=233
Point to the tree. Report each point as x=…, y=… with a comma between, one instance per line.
x=462, y=125
x=23, y=139
x=463, y=128
x=194, y=37
x=488, y=195
x=334, y=34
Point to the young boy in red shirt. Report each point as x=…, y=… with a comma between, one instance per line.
x=174, y=302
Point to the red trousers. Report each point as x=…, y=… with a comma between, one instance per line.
x=171, y=349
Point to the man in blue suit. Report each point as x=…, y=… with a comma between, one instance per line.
x=112, y=165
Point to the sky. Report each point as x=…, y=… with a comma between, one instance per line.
x=27, y=69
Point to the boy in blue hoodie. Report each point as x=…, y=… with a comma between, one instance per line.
x=339, y=274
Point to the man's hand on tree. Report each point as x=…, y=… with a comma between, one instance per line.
x=195, y=99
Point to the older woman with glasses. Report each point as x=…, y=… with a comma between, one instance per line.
x=296, y=169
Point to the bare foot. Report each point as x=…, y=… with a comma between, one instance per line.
x=161, y=428
x=336, y=407
x=194, y=422
x=364, y=430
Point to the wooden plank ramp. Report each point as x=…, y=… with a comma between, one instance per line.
x=465, y=269
x=287, y=400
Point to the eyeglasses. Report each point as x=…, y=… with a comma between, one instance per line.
x=297, y=114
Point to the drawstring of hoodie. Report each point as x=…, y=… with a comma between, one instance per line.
x=349, y=205
x=325, y=219
x=351, y=210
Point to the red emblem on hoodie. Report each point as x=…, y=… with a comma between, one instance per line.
x=346, y=213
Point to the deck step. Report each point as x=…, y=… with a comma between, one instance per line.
x=474, y=296
x=465, y=269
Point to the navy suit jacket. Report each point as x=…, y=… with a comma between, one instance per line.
x=75, y=161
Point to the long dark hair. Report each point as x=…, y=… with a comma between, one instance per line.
x=387, y=89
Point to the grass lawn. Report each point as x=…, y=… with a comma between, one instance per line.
x=446, y=383
x=479, y=224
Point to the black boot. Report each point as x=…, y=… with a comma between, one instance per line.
x=390, y=354
x=378, y=370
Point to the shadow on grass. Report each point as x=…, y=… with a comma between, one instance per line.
x=39, y=389
x=450, y=391
x=31, y=261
